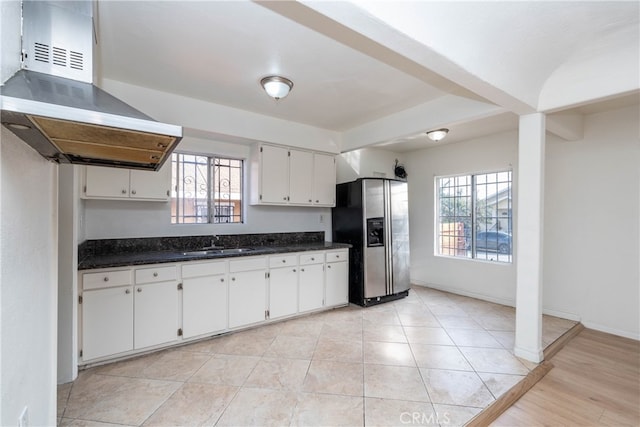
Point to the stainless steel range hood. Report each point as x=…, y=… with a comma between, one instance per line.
x=52, y=105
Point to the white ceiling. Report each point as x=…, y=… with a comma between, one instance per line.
x=354, y=64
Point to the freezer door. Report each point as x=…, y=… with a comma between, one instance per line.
x=399, y=224
x=374, y=256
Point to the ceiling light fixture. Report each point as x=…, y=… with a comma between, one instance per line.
x=276, y=87
x=438, y=134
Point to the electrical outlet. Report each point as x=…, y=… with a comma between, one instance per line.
x=23, y=421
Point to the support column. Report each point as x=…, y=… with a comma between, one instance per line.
x=531, y=142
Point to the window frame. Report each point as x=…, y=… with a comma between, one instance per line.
x=211, y=205
x=471, y=252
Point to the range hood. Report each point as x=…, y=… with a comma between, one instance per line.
x=52, y=105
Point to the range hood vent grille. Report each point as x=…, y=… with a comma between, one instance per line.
x=58, y=56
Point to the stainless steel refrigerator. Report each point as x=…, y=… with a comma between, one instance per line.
x=372, y=214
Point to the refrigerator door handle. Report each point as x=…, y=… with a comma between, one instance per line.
x=388, y=239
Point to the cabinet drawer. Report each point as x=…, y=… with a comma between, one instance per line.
x=155, y=274
x=284, y=260
x=106, y=279
x=335, y=256
x=311, y=258
x=204, y=269
x=248, y=264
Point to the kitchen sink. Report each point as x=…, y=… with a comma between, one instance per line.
x=221, y=251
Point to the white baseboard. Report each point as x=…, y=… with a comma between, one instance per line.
x=561, y=314
x=612, y=331
x=489, y=298
x=535, y=356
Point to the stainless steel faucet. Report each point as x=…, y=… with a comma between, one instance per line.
x=214, y=240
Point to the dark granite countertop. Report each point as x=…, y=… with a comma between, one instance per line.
x=128, y=252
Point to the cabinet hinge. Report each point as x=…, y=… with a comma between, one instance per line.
x=261, y=149
x=180, y=332
x=266, y=314
x=288, y=153
x=84, y=189
x=168, y=193
x=80, y=353
x=261, y=197
x=179, y=286
x=80, y=299
x=267, y=275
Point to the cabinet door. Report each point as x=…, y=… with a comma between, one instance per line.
x=107, y=322
x=108, y=183
x=155, y=314
x=247, y=297
x=337, y=283
x=283, y=292
x=324, y=179
x=151, y=185
x=301, y=177
x=311, y=287
x=274, y=174
x=204, y=305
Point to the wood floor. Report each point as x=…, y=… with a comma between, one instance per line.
x=595, y=381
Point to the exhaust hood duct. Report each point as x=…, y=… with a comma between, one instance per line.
x=52, y=105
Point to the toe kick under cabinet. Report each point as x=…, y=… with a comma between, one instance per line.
x=125, y=311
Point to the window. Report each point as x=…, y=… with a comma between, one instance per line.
x=474, y=216
x=205, y=189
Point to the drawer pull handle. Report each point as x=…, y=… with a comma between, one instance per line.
x=222, y=279
x=106, y=278
x=133, y=191
x=328, y=266
x=128, y=291
x=155, y=274
x=284, y=260
x=139, y=289
x=233, y=279
x=294, y=270
x=124, y=191
x=313, y=259
x=302, y=269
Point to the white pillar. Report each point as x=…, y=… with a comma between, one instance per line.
x=528, y=343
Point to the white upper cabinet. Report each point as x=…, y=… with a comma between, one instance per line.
x=273, y=174
x=301, y=177
x=293, y=177
x=324, y=179
x=126, y=184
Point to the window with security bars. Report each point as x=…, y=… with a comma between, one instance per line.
x=206, y=189
x=474, y=216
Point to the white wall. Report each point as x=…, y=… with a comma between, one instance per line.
x=592, y=234
x=366, y=163
x=28, y=250
x=67, y=272
x=28, y=262
x=107, y=219
x=490, y=281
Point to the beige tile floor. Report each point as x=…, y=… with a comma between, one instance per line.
x=433, y=358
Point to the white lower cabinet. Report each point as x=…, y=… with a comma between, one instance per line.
x=247, y=291
x=311, y=281
x=337, y=283
x=107, y=322
x=283, y=292
x=155, y=314
x=204, y=298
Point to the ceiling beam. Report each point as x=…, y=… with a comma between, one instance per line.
x=354, y=27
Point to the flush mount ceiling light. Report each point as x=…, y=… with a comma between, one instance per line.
x=438, y=134
x=276, y=87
